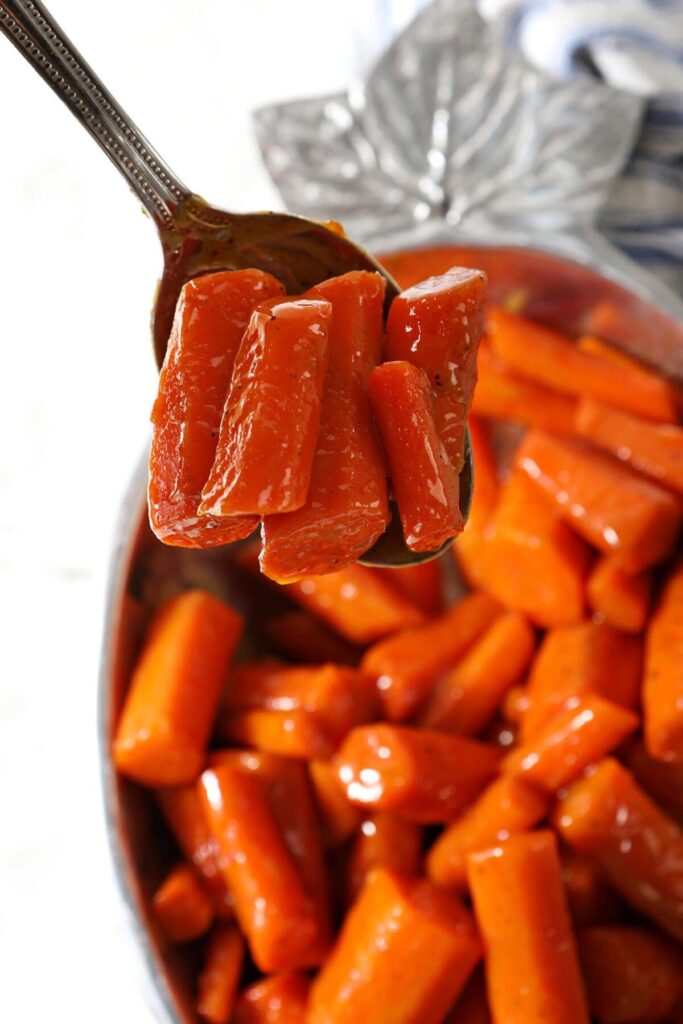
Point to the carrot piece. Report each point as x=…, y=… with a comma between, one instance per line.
x=570, y=741
x=340, y=819
x=421, y=775
x=298, y=733
x=420, y=583
x=663, y=681
x=356, y=603
x=467, y=699
x=407, y=665
x=660, y=393
x=269, y=429
x=468, y=552
x=575, y=661
x=220, y=975
x=632, y=975
x=437, y=325
x=280, y=999
x=175, y=688
x=384, y=841
x=426, y=485
x=301, y=636
x=212, y=313
x=506, y=806
x=347, y=507
x=622, y=599
x=639, y=850
x=589, y=899
x=532, y=970
x=181, y=906
x=472, y=1007
x=552, y=359
x=662, y=780
x=531, y=561
x=615, y=510
x=501, y=395
x=406, y=949
x=515, y=704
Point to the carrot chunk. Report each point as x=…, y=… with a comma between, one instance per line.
x=406, y=949
x=590, y=900
x=173, y=696
x=347, y=507
x=181, y=906
x=654, y=391
x=639, y=850
x=468, y=552
x=622, y=599
x=501, y=395
x=407, y=665
x=515, y=704
x=662, y=780
x=269, y=429
x=211, y=316
x=532, y=970
x=305, y=638
x=420, y=583
x=384, y=841
x=472, y=1007
x=426, y=485
x=615, y=510
x=280, y=999
x=220, y=975
x=506, y=806
x=437, y=325
x=339, y=818
x=422, y=776
x=663, y=682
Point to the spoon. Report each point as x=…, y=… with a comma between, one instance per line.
x=197, y=238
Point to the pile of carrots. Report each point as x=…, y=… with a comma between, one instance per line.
x=413, y=810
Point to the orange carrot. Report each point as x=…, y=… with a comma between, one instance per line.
x=467, y=698
x=616, y=511
x=663, y=682
x=407, y=665
x=632, y=975
x=356, y=603
x=506, y=806
x=280, y=999
x=420, y=583
x=181, y=906
x=304, y=638
x=590, y=900
x=406, y=950
x=515, y=704
x=298, y=733
x=622, y=599
x=220, y=975
x=269, y=429
x=639, y=850
x=468, y=551
x=472, y=1007
x=339, y=817
x=384, y=841
x=173, y=696
x=501, y=395
x=662, y=780
x=426, y=485
x=653, y=389
x=532, y=971
x=421, y=775
x=570, y=741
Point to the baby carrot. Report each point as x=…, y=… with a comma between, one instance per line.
x=407, y=665
x=570, y=741
x=621, y=598
x=305, y=638
x=212, y=313
x=269, y=429
x=662, y=780
x=384, y=841
x=173, y=696
x=468, y=552
x=420, y=583
x=297, y=733
x=532, y=970
x=515, y=704
x=506, y=806
x=421, y=775
x=639, y=850
x=347, y=507
x=472, y=1007
x=663, y=682
x=181, y=906
x=406, y=947
x=220, y=975
x=426, y=485
x=614, y=509
x=339, y=818
x=501, y=395
x=280, y=999
x=590, y=900
x=654, y=392
x=466, y=700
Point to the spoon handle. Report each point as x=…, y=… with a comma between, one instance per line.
x=34, y=32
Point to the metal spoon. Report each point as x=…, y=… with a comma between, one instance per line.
x=197, y=238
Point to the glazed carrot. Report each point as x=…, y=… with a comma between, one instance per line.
x=662, y=780
x=356, y=603
x=506, y=806
x=532, y=971
x=421, y=584
x=472, y=1007
x=515, y=704
x=653, y=389
x=617, y=511
x=305, y=638
x=421, y=775
x=468, y=551
x=501, y=395
x=384, y=841
x=298, y=733
x=269, y=429
x=181, y=906
x=589, y=899
x=622, y=599
x=632, y=975
x=570, y=741
x=280, y=999
x=639, y=850
x=663, y=681
x=426, y=485
x=405, y=947
x=466, y=700
x=173, y=696
x=211, y=316
x=220, y=975
x=347, y=507
x=339, y=818
x=550, y=358
x=407, y=665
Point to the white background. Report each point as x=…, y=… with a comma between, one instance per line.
x=78, y=263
